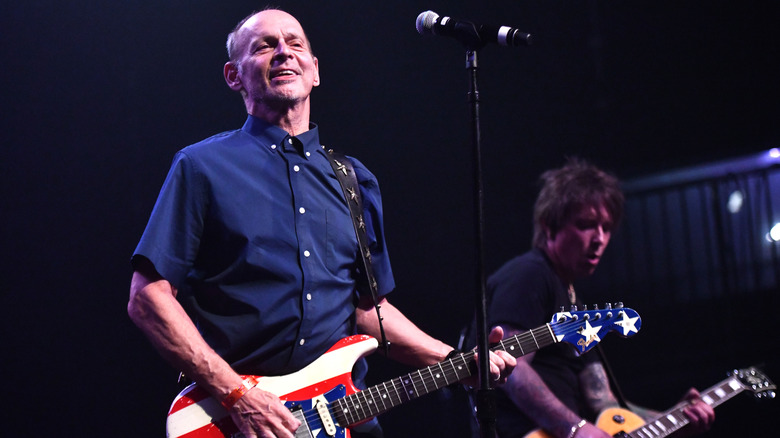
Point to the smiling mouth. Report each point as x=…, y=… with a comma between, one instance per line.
x=283, y=74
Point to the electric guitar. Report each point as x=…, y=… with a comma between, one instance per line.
x=623, y=423
x=323, y=397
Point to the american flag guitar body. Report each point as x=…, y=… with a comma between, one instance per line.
x=326, y=401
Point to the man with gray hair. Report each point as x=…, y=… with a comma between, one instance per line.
x=249, y=262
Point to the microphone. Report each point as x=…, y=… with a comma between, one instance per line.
x=430, y=22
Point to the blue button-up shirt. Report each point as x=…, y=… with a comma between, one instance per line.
x=252, y=227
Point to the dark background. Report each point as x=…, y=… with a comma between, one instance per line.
x=98, y=96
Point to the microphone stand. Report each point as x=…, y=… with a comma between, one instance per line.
x=485, y=399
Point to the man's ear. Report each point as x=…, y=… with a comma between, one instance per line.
x=232, y=76
x=547, y=232
x=316, y=72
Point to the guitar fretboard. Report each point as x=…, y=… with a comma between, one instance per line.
x=380, y=398
x=674, y=419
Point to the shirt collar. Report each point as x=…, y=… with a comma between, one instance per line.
x=275, y=137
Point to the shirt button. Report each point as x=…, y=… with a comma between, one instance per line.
x=296, y=168
x=301, y=341
x=289, y=140
x=273, y=146
x=308, y=154
x=308, y=297
x=302, y=210
x=306, y=253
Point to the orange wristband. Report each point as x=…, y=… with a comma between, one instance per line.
x=231, y=399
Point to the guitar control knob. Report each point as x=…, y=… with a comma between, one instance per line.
x=619, y=419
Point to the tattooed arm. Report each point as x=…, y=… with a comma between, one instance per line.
x=595, y=387
x=531, y=395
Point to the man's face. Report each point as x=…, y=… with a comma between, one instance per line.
x=579, y=244
x=275, y=63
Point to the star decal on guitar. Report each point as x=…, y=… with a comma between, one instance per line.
x=628, y=324
x=590, y=333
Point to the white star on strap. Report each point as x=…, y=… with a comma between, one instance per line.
x=628, y=324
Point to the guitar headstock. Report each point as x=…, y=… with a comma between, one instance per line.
x=583, y=329
x=754, y=380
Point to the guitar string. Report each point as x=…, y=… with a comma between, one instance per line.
x=565, y=328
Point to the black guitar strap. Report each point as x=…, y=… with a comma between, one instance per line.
x=612, y=380
x=345, y=173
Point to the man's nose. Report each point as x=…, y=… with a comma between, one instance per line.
x=599, y=235
x=281, y=49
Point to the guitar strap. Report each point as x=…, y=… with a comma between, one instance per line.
x=345, y=173
x=612, y=381
x=607, y=368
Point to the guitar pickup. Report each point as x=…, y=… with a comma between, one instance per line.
x=327, y=420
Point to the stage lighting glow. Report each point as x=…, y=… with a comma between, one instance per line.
x=774, y=153
x=774, y=234
x=735, y=201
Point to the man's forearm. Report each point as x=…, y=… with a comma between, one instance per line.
x=532, y=396
x=408, y=343
x=154, y=309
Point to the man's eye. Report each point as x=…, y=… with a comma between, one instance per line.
x=586, y=225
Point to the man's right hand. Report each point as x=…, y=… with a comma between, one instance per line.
x=260, y=414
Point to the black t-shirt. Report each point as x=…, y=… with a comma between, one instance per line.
x=524, y=294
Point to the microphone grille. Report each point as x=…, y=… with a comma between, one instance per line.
x=425, y=22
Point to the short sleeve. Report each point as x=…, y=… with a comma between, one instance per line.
x=172, y=235
x=519, y=294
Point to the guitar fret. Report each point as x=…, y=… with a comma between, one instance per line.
x=434, y=379
x=404, y=384
x=397, y=394
x=344, y=410
x=653, y=429
x=534, y=337
x=515, y=344
x=422, y=380
x=382, y=396
x=461, y=370
x=366, y=405
x=529, y=342
x=371, y=400
x=441, y=369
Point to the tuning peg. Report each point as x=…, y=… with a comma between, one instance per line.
x=619, y=304
x=563, y=309
x=595, y=307
x=584, y=307
x=573, y=307
x=609, y=306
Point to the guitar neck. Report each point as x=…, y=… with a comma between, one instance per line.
x=380, y=398
x=674, y=419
